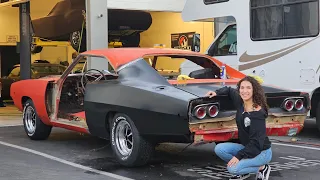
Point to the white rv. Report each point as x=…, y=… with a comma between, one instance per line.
x=277, y=40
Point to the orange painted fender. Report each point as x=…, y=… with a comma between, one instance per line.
x=35, y=89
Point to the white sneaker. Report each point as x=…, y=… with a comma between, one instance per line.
x=240, y=177
x=264, y=173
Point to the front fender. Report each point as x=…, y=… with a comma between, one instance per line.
x=34, y=89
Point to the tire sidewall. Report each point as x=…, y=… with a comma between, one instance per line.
x=72, y=35
x=29, y=104
x=125, y=160
x=83, y=45
x=318, y=116
x=33, y=47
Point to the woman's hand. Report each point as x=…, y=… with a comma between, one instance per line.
x=234, y=161
x=211, y=94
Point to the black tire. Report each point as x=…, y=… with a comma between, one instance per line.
x=74, y=40
x=41, y=131
x=36, y=49
x=141, y=150
x=318, y=116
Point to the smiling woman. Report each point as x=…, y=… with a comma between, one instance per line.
x=254, y=152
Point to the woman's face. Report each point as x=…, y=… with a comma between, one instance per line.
x=246, y=90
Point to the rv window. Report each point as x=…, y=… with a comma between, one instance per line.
x=226, y=43
x=279, y=19
x=206, y=2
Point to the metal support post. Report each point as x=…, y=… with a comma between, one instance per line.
x=25, y=40
x=97, y=31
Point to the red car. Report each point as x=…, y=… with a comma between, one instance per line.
x=146, y=97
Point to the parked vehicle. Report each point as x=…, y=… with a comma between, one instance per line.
x=65, y=22
x=38, y=69
x=144, y=101
x=276, y=40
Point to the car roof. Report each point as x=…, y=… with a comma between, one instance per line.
x=121, y=56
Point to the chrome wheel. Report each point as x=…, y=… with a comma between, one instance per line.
x=124, y=138
x=75, y=38
x=30, y=119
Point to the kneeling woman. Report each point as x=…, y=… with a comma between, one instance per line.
x=254, y=153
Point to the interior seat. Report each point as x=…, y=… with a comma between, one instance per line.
x=206, y=73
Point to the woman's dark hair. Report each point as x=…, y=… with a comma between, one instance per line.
x=258, y=95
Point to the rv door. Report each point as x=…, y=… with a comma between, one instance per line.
x=224, y=47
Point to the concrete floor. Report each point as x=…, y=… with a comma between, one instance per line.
x=10, y=116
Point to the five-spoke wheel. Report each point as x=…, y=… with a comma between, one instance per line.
x=30, y=118
x=33, y=125
x=129, y=146
x=124, y=139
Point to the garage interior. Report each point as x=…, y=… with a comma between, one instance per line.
x=165, y=23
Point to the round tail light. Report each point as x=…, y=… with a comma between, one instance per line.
x=200, y=112
x=289, y=105
x=213, y=111
x=298, y=105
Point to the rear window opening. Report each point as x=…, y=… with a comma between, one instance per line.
x=173, y=66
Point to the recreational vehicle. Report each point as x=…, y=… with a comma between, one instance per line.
x=277, y=40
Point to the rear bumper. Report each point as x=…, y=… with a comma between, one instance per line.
x=276, y=126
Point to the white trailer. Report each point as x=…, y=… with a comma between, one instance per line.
x=277, y=40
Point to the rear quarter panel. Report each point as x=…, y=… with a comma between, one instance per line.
x=162, y=112
x=34, y=89
x=156, y=107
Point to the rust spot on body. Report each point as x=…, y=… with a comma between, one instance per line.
x=226, y=128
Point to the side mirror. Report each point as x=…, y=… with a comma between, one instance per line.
x=195, y=43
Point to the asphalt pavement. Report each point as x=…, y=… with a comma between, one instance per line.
x=70, y=155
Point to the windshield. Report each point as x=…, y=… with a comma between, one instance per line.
x=195, y=67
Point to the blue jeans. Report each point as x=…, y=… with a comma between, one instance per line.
x=226, y=151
